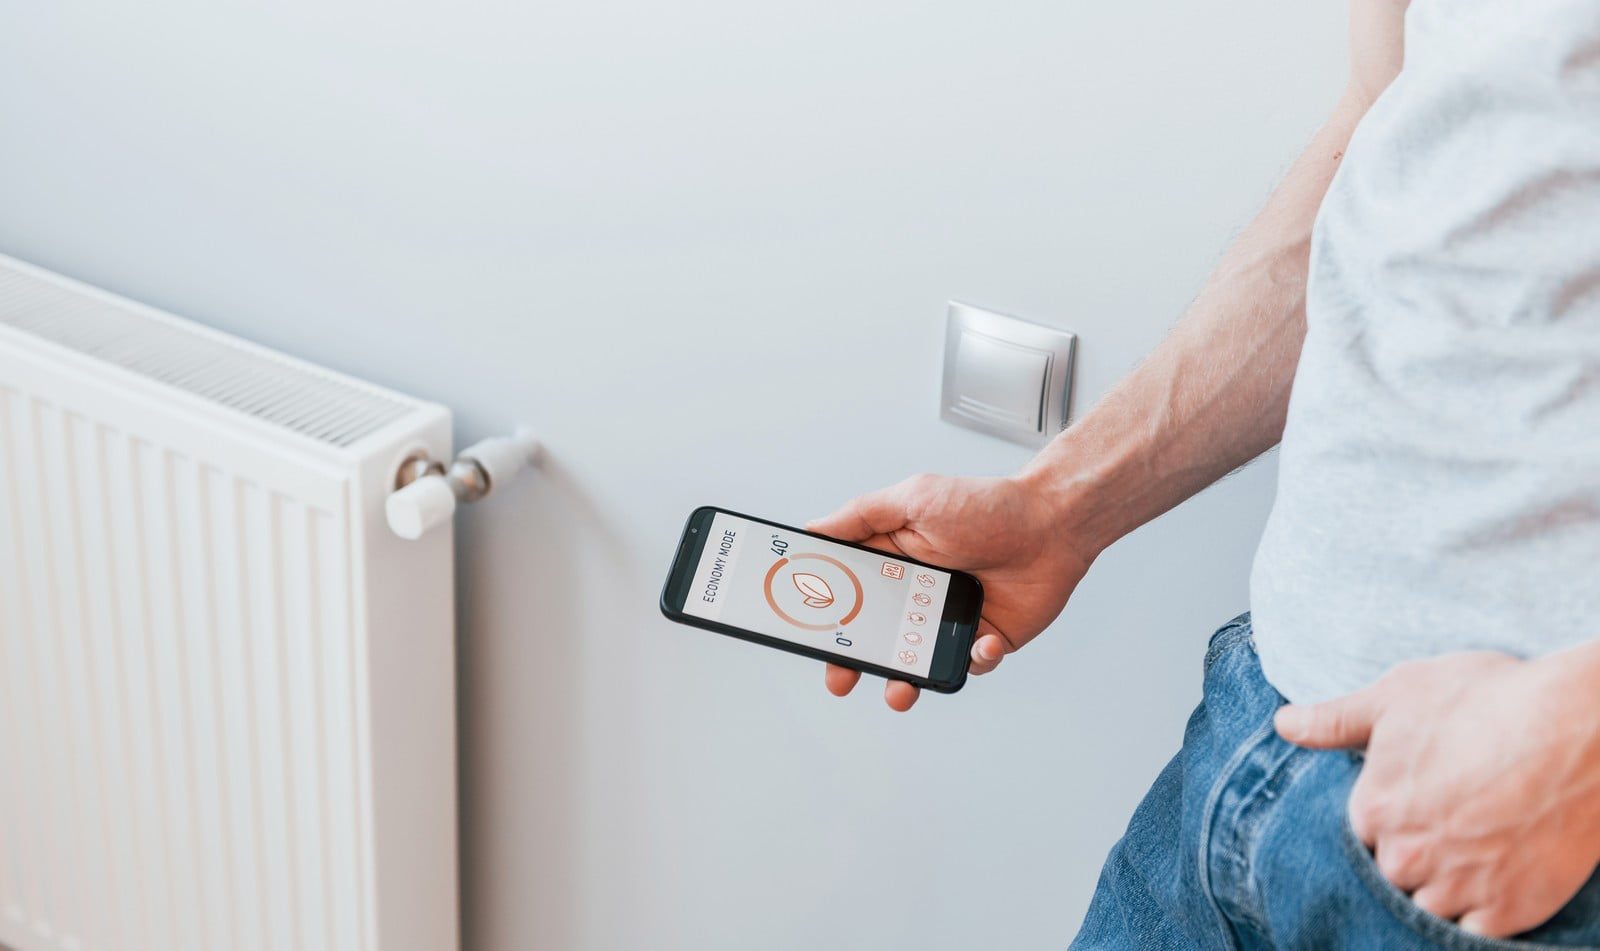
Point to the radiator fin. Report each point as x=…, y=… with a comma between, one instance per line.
x=267, y=386
x=175, y=637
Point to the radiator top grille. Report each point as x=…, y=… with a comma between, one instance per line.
x=209, y=365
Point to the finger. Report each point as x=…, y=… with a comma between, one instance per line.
x=1441, y=900
x=1489, y=923
x=1404, y=861
x=884, y=543
x=1368, y=811
x=840, y=680
x=900, y=695
x=987, y=652
x=876, y=513
x=1335, y=724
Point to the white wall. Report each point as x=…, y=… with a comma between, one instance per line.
x=704, y=247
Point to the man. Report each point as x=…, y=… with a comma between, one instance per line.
x=1427, y=593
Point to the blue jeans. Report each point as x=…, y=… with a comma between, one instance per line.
x=1243, y=843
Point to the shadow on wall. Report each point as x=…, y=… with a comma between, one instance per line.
x=525, y=705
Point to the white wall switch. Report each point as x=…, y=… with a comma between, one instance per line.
x=1006, y=376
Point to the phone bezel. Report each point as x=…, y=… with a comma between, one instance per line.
x=957, y=626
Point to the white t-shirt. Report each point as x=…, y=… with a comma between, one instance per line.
x=1439, y=483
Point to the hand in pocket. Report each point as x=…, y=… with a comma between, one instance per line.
x=1480, y=794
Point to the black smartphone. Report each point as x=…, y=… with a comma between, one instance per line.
x=858, y=607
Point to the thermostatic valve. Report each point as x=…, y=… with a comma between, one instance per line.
x=426, y=493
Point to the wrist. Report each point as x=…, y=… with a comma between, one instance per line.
x=1072, y=491
x=1573, y=676
x=1571, y=679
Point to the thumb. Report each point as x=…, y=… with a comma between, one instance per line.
x=877, y=513
x=1344, y=722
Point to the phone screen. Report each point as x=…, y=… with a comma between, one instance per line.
x=872, y=607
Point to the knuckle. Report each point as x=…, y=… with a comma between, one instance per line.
x=1330, y=721
x=1517, y=914
x=1367, y=811
x=1435, y=900
x=1492, y=921
x=922, y=495
x=1399, y=860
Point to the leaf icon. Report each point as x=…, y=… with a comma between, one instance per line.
x=816, y=591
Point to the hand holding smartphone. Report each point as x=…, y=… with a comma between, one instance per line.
x=854, y=606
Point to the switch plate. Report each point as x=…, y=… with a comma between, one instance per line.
x=1006, y=376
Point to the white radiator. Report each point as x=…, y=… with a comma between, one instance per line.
x=227, y=714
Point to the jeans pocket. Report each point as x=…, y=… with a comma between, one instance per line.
x=1227, y=636
x=1443, y=933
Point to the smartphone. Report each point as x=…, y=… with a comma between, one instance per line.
x=858, y=607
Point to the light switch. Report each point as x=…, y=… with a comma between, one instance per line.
x=1001, y=381
x=1005, y=376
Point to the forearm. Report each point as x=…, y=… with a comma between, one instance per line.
x=1214, y=394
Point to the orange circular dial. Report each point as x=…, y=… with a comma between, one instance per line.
x=816, y=592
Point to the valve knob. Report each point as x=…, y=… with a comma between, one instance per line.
x=420, y=506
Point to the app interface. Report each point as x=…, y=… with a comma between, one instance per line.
x=868, y=606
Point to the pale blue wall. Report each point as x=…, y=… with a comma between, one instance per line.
x=693, y=242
